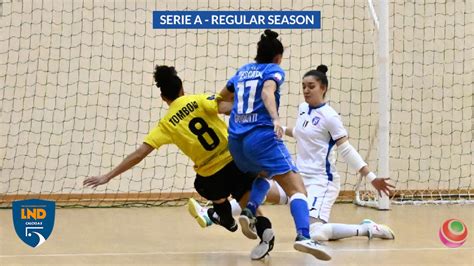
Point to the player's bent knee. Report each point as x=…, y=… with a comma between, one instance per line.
x=299, y=196
x=262, y=183
x=291, y=183
x=320, y=231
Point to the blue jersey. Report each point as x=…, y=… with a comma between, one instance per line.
x=249, y=111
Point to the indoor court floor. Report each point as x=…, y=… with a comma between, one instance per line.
x=170, y=236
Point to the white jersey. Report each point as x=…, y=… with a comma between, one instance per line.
x=316, y=132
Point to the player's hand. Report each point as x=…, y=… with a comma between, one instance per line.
x=96, y=181
x=381, y=185
x=278, y=128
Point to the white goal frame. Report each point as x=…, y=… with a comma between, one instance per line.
x=381, y=24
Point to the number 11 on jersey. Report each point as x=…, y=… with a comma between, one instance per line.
x=241, y=86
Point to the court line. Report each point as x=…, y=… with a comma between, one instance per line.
x=223, y=252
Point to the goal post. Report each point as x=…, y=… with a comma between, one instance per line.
x=431, y=56
x=381, y=24
x=383, y=81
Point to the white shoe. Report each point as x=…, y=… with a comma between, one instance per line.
x=199, y=213
x=312, y=247
x=247, y=222
x=378, y=230
x=265, y=245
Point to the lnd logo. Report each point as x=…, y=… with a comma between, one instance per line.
x=33, y=220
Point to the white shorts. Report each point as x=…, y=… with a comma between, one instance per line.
x=321, y=197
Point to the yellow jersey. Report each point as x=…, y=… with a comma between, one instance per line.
x=193, y=124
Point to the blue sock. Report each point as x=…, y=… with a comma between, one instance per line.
x=300, y=212
x=260, y=188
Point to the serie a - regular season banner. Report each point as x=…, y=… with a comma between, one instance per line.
x=236, y=19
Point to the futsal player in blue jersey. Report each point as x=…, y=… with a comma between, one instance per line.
x=255, y=142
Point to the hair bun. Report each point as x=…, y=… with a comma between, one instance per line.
x=269, y=34
x=322, y=69
x=163, y=74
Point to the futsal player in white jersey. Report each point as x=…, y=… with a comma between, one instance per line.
x=319, y=131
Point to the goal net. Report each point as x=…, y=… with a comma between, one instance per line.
x=77, y=93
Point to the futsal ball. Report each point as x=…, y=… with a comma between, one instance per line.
x=453, y=233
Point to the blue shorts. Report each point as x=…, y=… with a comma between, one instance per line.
x=261, y=150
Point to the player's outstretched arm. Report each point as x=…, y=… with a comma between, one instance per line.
x=130, y=161
x=227, y=95
x=268, y=97
x=355, y=161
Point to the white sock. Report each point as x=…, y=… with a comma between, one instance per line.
x=236, y=210
x=340, y=231
x=323, y=232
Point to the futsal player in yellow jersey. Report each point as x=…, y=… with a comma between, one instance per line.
x=193, y=124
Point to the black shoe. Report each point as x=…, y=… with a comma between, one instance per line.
x=231, y=226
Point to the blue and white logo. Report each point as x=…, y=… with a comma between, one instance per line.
x=278, y=76
x=33, y=220
x=316, y=120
